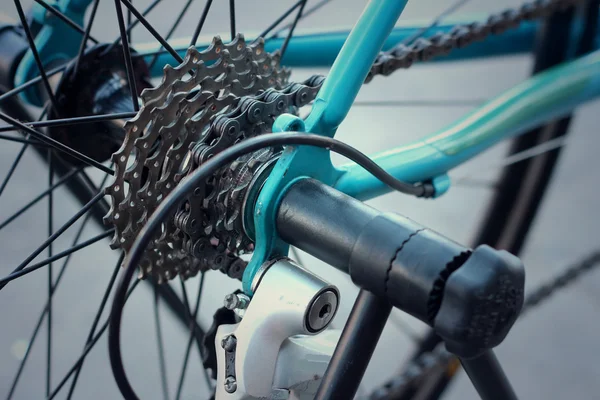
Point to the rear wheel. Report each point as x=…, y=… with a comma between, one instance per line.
x=174, y=361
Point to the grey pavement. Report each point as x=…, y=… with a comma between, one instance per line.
x=551, y=354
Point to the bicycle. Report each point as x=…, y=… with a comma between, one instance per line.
x=218, y=103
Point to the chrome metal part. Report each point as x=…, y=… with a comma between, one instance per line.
x=322, y=311
x=155, y=154
x=283, y=304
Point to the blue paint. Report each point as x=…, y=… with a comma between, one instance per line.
x=321, y=49
x=56, y=42
x=331, y=106
x=543, y=97
x=295, y=163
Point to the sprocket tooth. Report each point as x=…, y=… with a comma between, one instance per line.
x=168, y=114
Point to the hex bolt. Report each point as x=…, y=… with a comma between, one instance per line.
x=236, y=301
x=228, y=343
x=231, y=301
x=321, y=311
x=230, y=384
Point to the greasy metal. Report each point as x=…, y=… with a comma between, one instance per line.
x=155, y=155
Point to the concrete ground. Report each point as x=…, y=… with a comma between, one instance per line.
x=551, y=354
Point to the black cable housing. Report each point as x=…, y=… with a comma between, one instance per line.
x=187, y=186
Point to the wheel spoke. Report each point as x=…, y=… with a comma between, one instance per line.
x=38, y=198
x=31, y=82
x=127, y=56
x=71, y=121
x=17, y=159
x=232, y=18
x=453, y=7
x=151, y=29
x=13, y=167
x=35, y=53
x=50, y=277
x=89, y=347
x=291, y=32
x=129, y=20
x=133, y=25
x=186, y=302
x=90, y=337
x=58, y=232
x=57, y=145
x=21, y=140
x=55, y=257
x=65, y=19
x=191, y=337
x=304, y=15
x=186, y=6
x=281, y=18
x=515, y=158
x=201, y=22
x=86, y=35
x=161, y=350
x=46, y=307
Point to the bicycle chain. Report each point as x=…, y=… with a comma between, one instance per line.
x=440, y=358
x=173, y=134
x=217, y=203
x=155, y=143
x=221, y=205
x=207, y=232
x=404, y=55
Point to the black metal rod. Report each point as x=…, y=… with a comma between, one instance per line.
x=88, y=348
x=86, y=35
x=90, y=337
x=127, y=56
x=56, y=144
x=47, y=307
x=21, y=140
x=30, y=83
x=71, y=121
x=65, y=19
x=201, y=22
x=355, y=347
x=291, y=32
x=314, y=230
x=184, y=10
x=281, y=18
x=304, y=15
x=35, y=53
x=232, y=18
x=55, y=257
x=487, y=376
x=57, y=233
x=152, y=31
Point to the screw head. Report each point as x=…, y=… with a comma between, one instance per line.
x=231, y=301
x=230, y=384
x=229, y=343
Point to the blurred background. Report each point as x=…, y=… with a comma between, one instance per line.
x=550, y=354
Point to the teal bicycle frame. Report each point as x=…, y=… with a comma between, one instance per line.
x=544, y=97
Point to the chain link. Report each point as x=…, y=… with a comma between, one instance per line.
x=152, y=158
x=405, y=55
x=206, y=230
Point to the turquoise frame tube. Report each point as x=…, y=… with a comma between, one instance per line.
x=541, y=98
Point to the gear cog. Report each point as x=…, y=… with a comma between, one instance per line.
x=154, y=155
